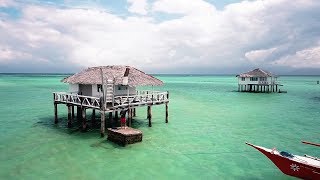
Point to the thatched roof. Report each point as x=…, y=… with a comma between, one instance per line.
x=257, y=73
x=92, y=75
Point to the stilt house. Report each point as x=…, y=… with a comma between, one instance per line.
x=258, y=80
x=109, y=89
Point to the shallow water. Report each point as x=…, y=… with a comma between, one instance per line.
x=209, y=123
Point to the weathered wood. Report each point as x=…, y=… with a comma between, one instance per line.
x=102, y=124
x=167, y=113
x=149, y=116
x=79, y=113
x=134, y=112
x=109, y=119
x=124, y=136
x=69, y=116
x=129, y=117
x=84, y=120
x=55, y=113
x=116, y=119
x=93, y=117
x=72, y=112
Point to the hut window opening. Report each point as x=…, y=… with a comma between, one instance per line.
x=263, y=79
x=99, y=88
x=243, y=79
x=253, y=79
x=122, y=87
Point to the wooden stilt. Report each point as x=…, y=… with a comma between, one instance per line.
x=276, y=88
x=167, y=114
x=69, y=116
x=55, y=113
x=109, y=119
x=116, y=119
x=129, y=117
x=84, y=120
x=72, y=112
x=134, y=112
x=93, y=118
x=79, y=115
x=149, y=116
x=102, y=124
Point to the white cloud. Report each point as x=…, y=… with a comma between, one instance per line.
x=200, y=38
x=259, y=55
x=7, y=3
x=138, y=6
x=307, y=58
x=183, y=7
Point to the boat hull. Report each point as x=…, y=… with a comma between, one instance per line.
x=290, y=167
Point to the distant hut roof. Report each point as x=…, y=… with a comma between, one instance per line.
x=92, y=75
x=257, y=73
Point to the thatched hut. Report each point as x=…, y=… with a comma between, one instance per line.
x=89, y=82
x=257, y=80
x=109, y=89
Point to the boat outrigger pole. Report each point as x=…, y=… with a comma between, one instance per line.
x=310, y=143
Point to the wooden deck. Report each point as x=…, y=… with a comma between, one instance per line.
x=142, y=98
x=125, y=136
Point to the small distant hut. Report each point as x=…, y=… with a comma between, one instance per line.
x=109, y=89
x=258, y=80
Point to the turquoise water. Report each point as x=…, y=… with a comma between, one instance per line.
x=209, y=124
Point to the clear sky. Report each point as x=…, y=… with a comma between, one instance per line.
x=161, y=36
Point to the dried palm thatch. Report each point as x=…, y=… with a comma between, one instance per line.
x=92, y=75
x=257, y=73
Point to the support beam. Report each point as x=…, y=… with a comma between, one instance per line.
x=149, y=116
x=79, y=115
x=116, y=119
x=129, y=117
x=72, y=111
x=93, y=118
x=102, y=124
x=134, y=112
x=84, y=120
x=167, y=113
x=109, y=120
x=55, y=113
x=70, y=119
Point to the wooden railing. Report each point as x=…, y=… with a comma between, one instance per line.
x=87, y=101
x=141, y=98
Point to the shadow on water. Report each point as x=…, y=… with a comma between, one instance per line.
x=92, y=131
x=316, y=99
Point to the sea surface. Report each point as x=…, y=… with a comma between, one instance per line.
x=209, y=123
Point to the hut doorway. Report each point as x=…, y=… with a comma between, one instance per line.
x=85, y=89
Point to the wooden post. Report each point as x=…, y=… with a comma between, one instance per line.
x=72, y=112
x=84, y=120
x=69, y=116
x=102, y=125
x=93, y=117
x=79, y=115
x=116, y=119
x=55, y=113
x=167, y=114
x=149, y=116
x=109, y=119
x=276, y=88
x=129, y=117
x=134, y=112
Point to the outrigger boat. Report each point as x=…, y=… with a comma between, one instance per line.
x=305, y=167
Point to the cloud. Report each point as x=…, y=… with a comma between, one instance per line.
x=259, y=55
x=250, y=33
x=138, y=6
x=307, y=58
x=7, y=3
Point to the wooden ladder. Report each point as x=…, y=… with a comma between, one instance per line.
x=110, y=91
